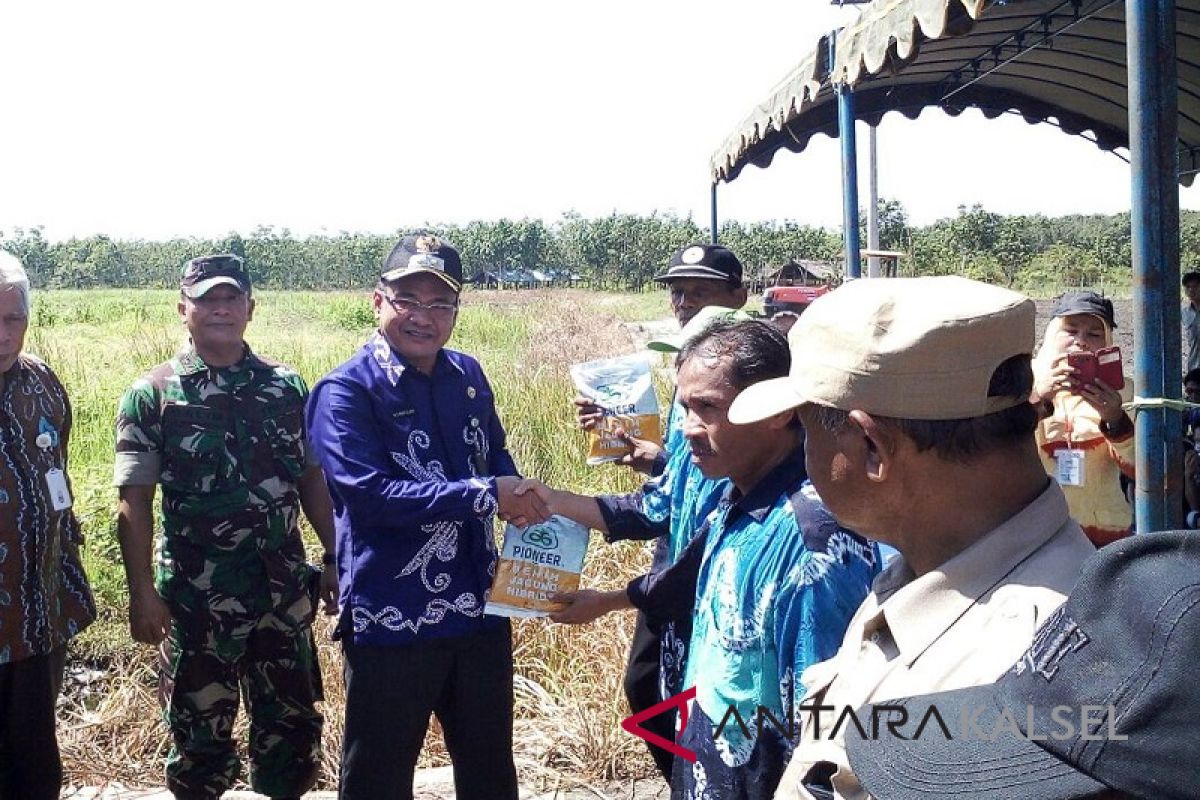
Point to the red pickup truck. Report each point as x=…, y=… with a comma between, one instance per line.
x=790, y=298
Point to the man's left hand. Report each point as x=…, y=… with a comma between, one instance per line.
x=329, y=590
x=1102, y=397
x=586, y=605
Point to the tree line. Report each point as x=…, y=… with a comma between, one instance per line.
x=621, y=251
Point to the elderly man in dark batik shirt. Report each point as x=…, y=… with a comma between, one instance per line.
x=44, y=595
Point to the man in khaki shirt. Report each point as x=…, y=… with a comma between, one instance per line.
x=914, y=397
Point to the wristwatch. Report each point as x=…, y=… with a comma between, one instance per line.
x=1120, y=428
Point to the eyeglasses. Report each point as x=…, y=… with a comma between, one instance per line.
x=405, y=305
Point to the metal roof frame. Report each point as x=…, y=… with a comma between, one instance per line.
x=1056, y=61
x=1121, y=74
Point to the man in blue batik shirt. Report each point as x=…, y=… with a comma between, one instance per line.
x=698, y=276
x=670, y=507
x=770, y=581
x=416, y=462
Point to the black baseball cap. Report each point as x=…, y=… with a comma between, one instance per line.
x=423, y=252
x=710, y=261
x=1086, y=303
x=1124, y=645
x=203, y=273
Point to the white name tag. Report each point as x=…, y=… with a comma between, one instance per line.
x=60, y=496
x=1070, y=467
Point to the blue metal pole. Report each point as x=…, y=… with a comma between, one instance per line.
x=712, y=225
x=1154, y=213
x=845, y=97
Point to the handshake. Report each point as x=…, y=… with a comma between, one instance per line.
x=528, y=501
x=524, y=501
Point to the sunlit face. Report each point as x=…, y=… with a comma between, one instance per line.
x=14, y=321
x=217, y=320
x=719, y=448
x=1081, y=332
x=836, y=467
x=1191, y=290
x=406, y=319
x=689, y=295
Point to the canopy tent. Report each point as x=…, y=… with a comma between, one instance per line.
x=1051, y=61
x=1121, y=74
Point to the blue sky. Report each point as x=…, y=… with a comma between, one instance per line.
x=154, y=119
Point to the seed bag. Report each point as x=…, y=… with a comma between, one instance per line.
x=535, y=562
x=624, y=390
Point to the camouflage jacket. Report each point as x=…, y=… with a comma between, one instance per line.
x=44, y=595
x=227, y=446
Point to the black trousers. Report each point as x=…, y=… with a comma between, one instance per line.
x=642, y=690
x=30, y=768
x=467, y=681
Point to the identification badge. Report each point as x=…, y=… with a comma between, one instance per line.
x=1070, y=467
x=60, y=496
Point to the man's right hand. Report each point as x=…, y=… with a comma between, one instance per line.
x=149, y=617
x=518, y=504
x=1060, y=376
x=587, y=413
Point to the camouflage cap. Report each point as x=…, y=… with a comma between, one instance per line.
x=203, y=273
x=423, y=252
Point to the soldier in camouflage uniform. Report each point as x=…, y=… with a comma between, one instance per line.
x=222, y=430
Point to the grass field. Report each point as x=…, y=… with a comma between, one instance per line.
x=569, y=679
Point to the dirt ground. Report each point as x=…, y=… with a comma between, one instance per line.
x=430, y=784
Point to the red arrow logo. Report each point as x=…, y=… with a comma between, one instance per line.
x=634, y=724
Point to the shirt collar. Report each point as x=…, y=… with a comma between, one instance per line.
x=18, y=369
x=393, y=364
x=918, y=610
x=190, y=361
x=784, y=478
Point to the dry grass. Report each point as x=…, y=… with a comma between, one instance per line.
x=569, y=700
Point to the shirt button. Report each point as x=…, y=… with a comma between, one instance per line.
x=471, y=392
x=474, y=422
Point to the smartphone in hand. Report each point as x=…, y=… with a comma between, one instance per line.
x=1108, y=367
x=1104, y=364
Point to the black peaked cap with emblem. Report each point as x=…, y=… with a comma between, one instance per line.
x=710, y=261
x=1124, y=645
x=424, y=252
